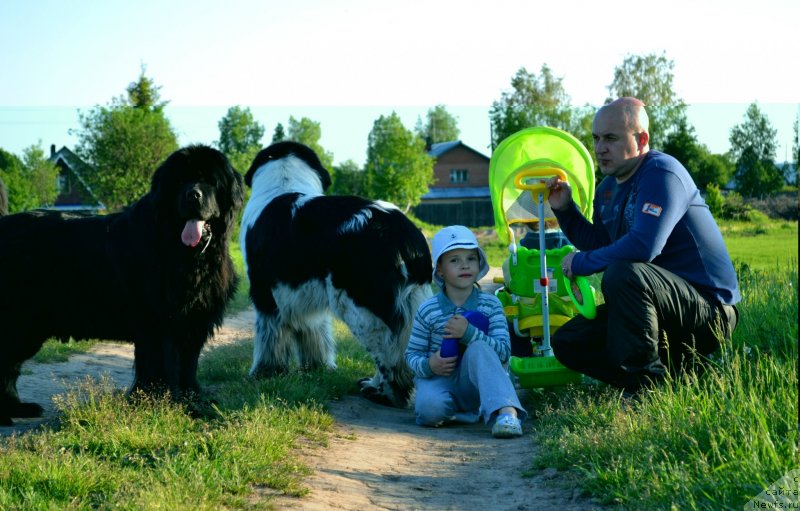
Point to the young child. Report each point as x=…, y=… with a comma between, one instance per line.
x=449, y=390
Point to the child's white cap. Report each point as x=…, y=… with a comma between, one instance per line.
x=452, y=238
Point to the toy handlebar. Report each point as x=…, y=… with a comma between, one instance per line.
x=521, y=184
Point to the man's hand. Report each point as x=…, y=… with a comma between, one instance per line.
x=566, y=265
x=442, y=366
x=560, y=194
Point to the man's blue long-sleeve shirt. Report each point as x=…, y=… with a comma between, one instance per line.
x=656, y=216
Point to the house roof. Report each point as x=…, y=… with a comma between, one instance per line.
x=441, y=148
x=464, y=192
x=76, y=165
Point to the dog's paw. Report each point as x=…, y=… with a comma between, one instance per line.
x=25, y=410
x=366, y=383
x=262, y=372
x=373, y=395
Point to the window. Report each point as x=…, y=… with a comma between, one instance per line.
x=61, y=182
x=458, y=176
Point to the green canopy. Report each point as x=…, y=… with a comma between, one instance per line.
x=535, y=151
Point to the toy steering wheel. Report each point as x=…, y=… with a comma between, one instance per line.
x=588, y=308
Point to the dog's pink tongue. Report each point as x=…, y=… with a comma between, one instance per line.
x=192, y=232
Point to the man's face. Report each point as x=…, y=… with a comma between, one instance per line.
x=616, y=147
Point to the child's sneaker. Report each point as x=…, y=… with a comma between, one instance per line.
x=506, y=426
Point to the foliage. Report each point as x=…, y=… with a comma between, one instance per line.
x=240, y=137
x=704, y=167
x=123, y=143
x=31, y=182
x=279, y=134
x=308, y=132
x=398, y=169
x=42, y=173
x=440, y=126
x=782, y=205
x=714, y=200
x=753, y=147
x=649, y=78
x=349, y=179
x=533, y=101
x=735, y=208
x=12, y=174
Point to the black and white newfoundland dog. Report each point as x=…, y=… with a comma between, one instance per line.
x=157, y=274
x=309, y=255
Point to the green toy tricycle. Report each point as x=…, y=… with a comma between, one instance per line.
x=536, y=296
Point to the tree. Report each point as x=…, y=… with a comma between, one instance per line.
x=714, y=200
x=440, y=126
x=713, y=170
x=308, y=132
x=123, y=143
x=42, y=175
x=649, y=78
x=398, y=168
x=31, y=182
x=705, y=168
x=12, y=174
x=278, y=134
x=349, y=179
x=240, y=137
x=753, y=148
x=533, y=101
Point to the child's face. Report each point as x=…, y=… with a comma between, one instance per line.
x=459, y=268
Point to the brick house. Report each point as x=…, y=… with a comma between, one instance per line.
x=73, y=192
x=460, y=192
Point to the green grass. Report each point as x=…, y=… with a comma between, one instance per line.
x=114, y=453
x=709, y=442
x=761, y=246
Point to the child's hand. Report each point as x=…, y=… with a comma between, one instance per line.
x=456, y=327
x=442, y=366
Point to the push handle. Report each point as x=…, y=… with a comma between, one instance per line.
x=520, y=180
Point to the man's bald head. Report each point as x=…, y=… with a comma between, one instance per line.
x=631, y=110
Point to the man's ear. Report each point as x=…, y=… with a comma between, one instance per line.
x=643, y=139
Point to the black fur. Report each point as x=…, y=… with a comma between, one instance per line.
x=125, y=276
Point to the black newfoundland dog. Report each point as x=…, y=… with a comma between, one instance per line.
x=309, y=255
x=157, y=274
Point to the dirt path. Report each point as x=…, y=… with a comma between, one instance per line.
x=378, y=458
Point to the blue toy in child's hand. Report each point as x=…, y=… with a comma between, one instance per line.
x=450, y=346
x=478, y=320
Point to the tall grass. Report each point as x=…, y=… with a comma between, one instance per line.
x=712, y=441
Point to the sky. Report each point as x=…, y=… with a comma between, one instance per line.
x=346, y=63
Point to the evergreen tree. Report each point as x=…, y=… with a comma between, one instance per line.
x=753, y=147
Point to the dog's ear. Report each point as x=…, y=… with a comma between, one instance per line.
x=237, y=190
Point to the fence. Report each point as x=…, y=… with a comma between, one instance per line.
x=472, y=213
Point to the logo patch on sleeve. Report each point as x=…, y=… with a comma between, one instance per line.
x=651, y=209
